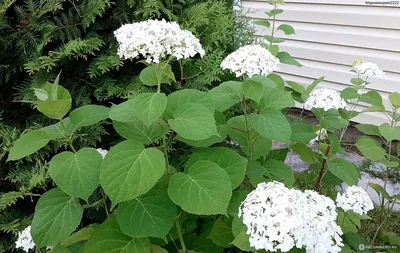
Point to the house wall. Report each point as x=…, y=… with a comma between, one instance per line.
x=331, y=34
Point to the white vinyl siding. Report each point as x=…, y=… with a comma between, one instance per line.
x=330, y=35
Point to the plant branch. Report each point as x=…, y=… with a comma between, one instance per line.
x=322, y=171
x=178, y=229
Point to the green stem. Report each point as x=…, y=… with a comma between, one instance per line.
x=382, y=223
x=178, y=229
x=72, y=147
x=244, y=108
x=273, y=26
x=165, y=151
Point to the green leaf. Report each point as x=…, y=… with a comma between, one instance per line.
x=285, y=57
x=253, y=90
x=357, y=81
x=221, y=234
x=305, y=152
x=61, y=130
x=274, y=12
x=237, y=198
x=265, y=81
x=226, y=95
x=193, y=121
x=124, y=112
x=108, y=238
x=349, y=93
x=57, y=215
x=157, y=249
x=60, y=249
x=233, y=163
x=394, y=99
x=271, y=124
x=205, y=189
x=273, y=49
x=374, y=108
x=88, y=115
x=239, y=231
x=380, y=190
x=150, y=106
x=138, y=131
x=237, y=131
x=332, y=123
x=155, y=75
x=129, y=170
x=81, y=235
x=296, y=87
x=76, y=173
x=370, y=148
x=28, y=144
x=265, y=23
x=344, y=170
x=312, y=86
x=41, y=94
x=276, y=98
x=287, y=29
x=58, y=105
x=389, y=133
x=156, y=211
x=372, y=98
x=302, y=131
x=181, y=97
x=278, y=80
x=272, y=170
x=272, y=39
x=368, y=129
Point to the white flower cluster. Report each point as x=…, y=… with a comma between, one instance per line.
x=155, y=40
x=322, y=134
x=251, y=60
x=368, y=69
x=278, y=218
x=102, y=152
x=325, y=99
x=355, y=199
x=25, y=240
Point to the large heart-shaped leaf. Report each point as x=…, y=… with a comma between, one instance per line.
x=28, y=144
x=59, y=102
x=77, y=173
x=226, y=95
x=61, y=130
x=260, y=146
x=253, y=90
x=205, y=189
x=108, y=238
x=233, y=163
x=156, y=211
x=344, y=170
x=272, y=170
x=178, y=98
x=276, y=98
x=389, y=133
x=271, y=124
x=150, y=106
x=57, y=215
x=124, y=112
x=370, y=148
x=194, y=122
x=88, y=115
x=221, y=233
x=129, y=170
x=138, y=131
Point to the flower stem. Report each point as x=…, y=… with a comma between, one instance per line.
x=178, y=229
x=244, y=108
x=322, y=171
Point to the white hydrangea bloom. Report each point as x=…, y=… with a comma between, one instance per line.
x=102, y=152
x=279, y=218
x=322, y=134
x=325, y=99
x=155, y=40
x=368, y=69
x=251, y=60
x=355, y=199
x=25, y=240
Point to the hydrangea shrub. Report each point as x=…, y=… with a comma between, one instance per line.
x=224, y=196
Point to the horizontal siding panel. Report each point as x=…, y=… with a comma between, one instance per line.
x=385, y=40
x=361, y=16
x=388, y=61
x=335, y=2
